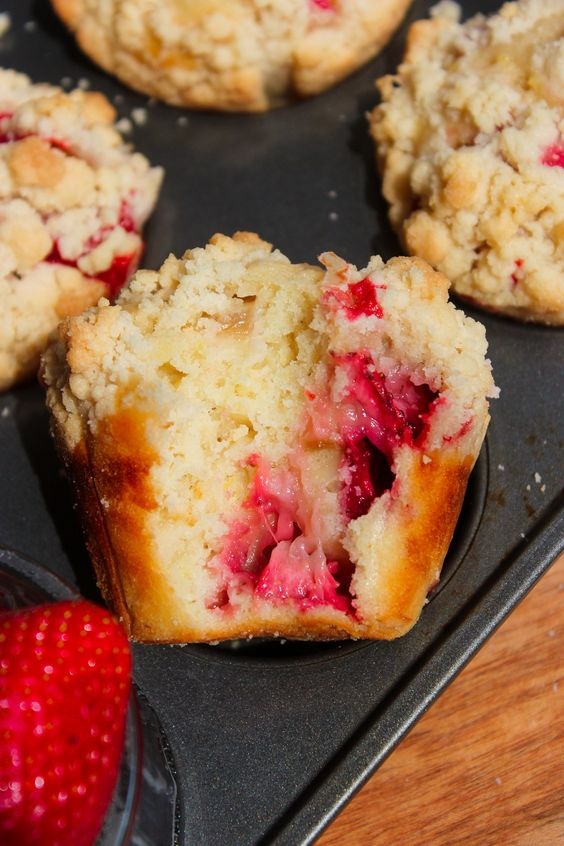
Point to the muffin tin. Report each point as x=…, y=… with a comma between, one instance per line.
x=270, y=739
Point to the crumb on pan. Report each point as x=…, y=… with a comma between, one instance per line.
x=5, y=23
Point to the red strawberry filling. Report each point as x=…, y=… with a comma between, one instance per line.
x=115, y=276
x=299, y=571
x=359, y=299
x=553, y=155
x=273, y=552
x=376, y=416
x=369, y=476
x=516, y=276
x=126, y=219
x=8, y=136
x=389, y=410
x=326, y=5
x=273, y=549
x=122, y=266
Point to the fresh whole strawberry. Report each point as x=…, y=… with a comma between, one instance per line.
x=64, y=689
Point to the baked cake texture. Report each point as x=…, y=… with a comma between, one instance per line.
x=261, y=448
x=470, y=142
x=235, y=55
x=73, y=199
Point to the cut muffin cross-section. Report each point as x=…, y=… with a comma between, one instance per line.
x=261, y=448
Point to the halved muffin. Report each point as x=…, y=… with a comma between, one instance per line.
x=261, y=448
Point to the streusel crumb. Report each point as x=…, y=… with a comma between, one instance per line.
x=73, y=200
x=470, y=141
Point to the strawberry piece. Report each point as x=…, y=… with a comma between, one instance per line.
x=370, y=475
x=364, y=299
x=388, y=410
x=9, y=136
x=120, y=270
x=359, y=299
x=299, y=570
x=115, y=276
x=516, y=276
x=553, y=156
x=126, y=217
x=64, y=689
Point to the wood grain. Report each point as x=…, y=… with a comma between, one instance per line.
x=485, y=765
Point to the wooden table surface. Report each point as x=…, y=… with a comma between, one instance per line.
x=485, y=765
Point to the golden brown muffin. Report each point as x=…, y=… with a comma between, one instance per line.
x=470, y=143
x=261, y=448
x=235, y=55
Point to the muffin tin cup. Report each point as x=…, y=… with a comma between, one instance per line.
x=270, y=739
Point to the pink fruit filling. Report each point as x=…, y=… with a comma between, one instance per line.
x=360, y=298
x=273, y=549
x=326, y=5
x=516, y=276
x=115, y=276
x=122, y=266
x=553, y=155
x=120, y=270
x=8, y=136
x=376, y=415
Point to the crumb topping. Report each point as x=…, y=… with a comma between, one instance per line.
x=73, y=200
x=469, y=137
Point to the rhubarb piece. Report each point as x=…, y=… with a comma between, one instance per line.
x=260, y=448
x=64, y=689
x=469, y=140
x=231, y=55
x=73, y=204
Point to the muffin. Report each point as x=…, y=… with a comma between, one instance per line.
x=73, y=199
x=233, y=55
x=260, y=448
x=469, y=138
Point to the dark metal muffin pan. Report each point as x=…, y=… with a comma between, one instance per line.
x=270, y=739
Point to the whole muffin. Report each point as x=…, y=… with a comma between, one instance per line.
x=261, y=448
x=73, y=199
x=470, y=142
x=235, y=55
